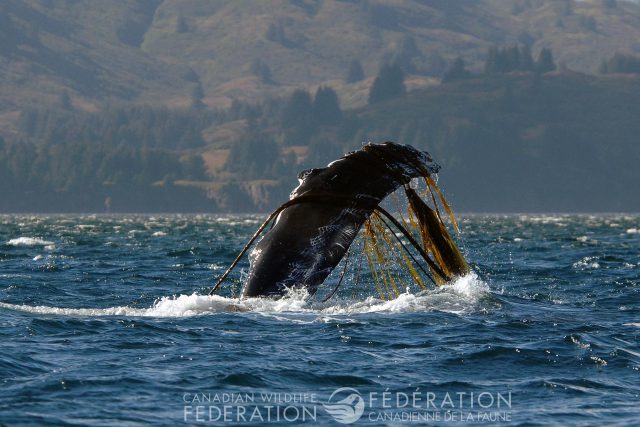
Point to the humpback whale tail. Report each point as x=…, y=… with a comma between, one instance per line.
x=314, y=230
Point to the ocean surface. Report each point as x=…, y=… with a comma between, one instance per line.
x=104, y=320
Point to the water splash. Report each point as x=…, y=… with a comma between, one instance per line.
x=461, y=296
x=29, y=241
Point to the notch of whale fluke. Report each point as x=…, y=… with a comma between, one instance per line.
x=312, y=232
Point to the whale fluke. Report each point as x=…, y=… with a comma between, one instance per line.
x=315, y=228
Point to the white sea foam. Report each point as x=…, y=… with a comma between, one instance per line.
x=544, y=219
x=29, y=241
x=633, y=231
x=589, y=262
x=460, y=296
x=180, y=306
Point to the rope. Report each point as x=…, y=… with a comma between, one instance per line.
x=344, y=270
x=333, y=199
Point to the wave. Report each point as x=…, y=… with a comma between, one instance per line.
x=29, y=241
x=463, y=295
x=589, y=262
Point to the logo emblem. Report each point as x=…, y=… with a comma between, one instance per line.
x=345, y=405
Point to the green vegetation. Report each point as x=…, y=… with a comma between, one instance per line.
x=140, y=126
x=210, y=106
x=521, y=140
x=514, y=58
x=457, y=71
x=507, y=59
x=621, y=63
x=388, y=84
x=80, y=177
x=355, y=73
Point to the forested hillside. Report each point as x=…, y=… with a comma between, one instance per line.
x=189, y=105
x=518, y=141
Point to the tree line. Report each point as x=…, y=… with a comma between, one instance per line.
x=55, y=176
x=140, y=126
x=502, y=60
x=134, y=152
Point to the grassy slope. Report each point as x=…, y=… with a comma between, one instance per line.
x=136, y=51
x=86, y=48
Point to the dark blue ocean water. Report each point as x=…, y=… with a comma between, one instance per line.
x=103, y=322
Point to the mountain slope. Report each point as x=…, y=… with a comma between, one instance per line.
x=170, y=52
x=86, y=49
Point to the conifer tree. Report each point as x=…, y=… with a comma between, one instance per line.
x=388, y=84
x=326, y=107
x=545, y=61
x=456, y=72
x=355, y=72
